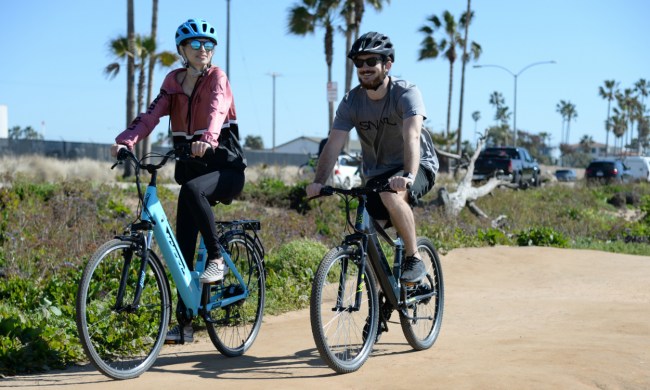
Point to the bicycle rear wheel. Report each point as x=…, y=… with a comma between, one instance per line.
x=341, y=331
x=421, y=320
x=121, y=340
x=238, y=324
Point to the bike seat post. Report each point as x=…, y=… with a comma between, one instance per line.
x=399, y=255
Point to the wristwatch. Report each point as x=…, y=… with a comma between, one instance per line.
x=409, y=175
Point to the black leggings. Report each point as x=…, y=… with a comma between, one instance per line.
x=195, y=214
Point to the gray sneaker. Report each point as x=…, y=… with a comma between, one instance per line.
x=214, y=272
x=413, y=270
x=174, y=334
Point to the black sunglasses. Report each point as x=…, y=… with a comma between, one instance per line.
x=207, y=45
x=372, y=61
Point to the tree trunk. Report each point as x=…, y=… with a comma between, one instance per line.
x=152, y=63
x=130, y=73
x=451, y=82
x=466, y=194
x=462, y=81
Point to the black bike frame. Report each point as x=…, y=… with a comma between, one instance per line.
x=368, y=241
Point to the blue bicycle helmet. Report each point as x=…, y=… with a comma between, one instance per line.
x=195, y=28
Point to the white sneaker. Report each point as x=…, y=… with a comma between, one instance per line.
x=174, y=334
x=214, y=272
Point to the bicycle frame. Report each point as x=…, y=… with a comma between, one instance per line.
x=368, y=241
x=187, y=282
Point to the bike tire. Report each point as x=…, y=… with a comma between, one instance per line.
x=341, y=335
x=238, y=324
x=122, y=343
x=422, y=328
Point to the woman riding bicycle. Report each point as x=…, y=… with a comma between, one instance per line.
x=200, y=104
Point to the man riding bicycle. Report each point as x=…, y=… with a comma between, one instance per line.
x=388, y=115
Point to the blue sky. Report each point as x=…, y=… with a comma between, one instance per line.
x=54, y=53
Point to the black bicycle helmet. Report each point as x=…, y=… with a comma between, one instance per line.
x=373, y=43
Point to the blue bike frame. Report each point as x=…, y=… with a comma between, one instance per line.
x=187, y=282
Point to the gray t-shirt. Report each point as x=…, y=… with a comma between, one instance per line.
x=379, y=125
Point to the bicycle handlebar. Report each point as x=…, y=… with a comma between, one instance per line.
x=355, y=191
x=182, y=152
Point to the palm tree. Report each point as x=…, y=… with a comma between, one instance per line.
x=568, y=112
x=628, y=103
x=475, y=53
x=497, y=100
x=501, y=116
x=352, y=12
x=608, y=92
x=642, y=87
x=476, y=115
x=586, y=142
x=619, y=125
x=430, y=48
x=146, y=147
x=304, y=18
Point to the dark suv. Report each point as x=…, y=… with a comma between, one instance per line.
x=606, y=171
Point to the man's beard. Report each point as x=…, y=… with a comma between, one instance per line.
x=375, y=82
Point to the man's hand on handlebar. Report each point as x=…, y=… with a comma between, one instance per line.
x=313, y=190
x=400, y=183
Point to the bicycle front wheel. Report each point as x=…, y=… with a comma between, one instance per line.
x=340, y=329
x=421, y=319
x=121, y=337
x=236, y=326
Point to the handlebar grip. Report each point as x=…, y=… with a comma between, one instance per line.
x=123, y=154
x=326, y=191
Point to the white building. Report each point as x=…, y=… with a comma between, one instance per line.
x=4, y=122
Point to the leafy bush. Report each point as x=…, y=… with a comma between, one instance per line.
x=291, y=270
x=493, y=237
x=37, y=329
x=542, y=236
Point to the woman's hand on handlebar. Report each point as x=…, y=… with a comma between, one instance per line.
x=199, y=148
x=115, y=148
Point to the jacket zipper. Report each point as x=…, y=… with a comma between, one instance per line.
x=189, y=105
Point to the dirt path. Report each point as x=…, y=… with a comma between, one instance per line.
x=515, y=318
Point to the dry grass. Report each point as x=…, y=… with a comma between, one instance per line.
x=44, y=169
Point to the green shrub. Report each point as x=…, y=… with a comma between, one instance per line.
x=542, y=236
x=37, y=331
x=493, y=237
x=290, y=272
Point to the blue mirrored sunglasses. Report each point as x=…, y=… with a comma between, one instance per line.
x=207, y=45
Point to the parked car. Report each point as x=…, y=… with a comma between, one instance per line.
x=566, y=175
x=513, y=164
x=638, y=167
x=606, y=171
x=347, y=172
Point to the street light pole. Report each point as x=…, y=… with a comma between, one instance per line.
x=274, y=75
x=515, y=76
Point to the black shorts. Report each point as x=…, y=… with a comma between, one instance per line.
x=423, y=183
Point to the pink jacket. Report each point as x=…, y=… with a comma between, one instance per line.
x=197, y=118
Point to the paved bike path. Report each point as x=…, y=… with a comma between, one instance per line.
x=533, y=318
